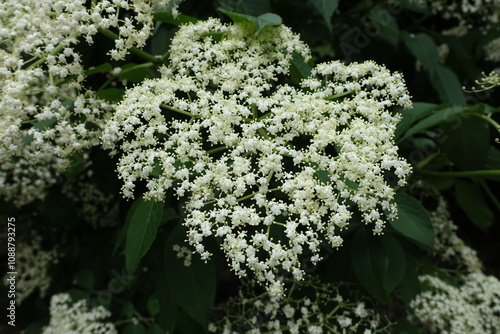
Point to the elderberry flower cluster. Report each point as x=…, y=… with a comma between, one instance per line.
x=472, y=307
x=33, y=268
x=70, y=317
x=465, y=13
x=450, y=249
x=492, y=50
x=311, y=307
x=46, y=113
x=270, y=169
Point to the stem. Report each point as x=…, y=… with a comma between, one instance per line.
x=139, y=52
x=179, y=111
x=334, y=97
x=58, y=49
x=107, y=82
x=253, y=194
x=463, y=173
x=217, y=149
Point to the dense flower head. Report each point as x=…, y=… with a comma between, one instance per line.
x=472, y=307
x=76, y=317
x=255, y=158
x=46, y=112
x=449, y=248
x=312, y=307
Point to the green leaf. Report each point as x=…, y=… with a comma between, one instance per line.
x=178, y=20
x=466, y=141
x=249, y=7
x=260, y=22
x=396, y=267
x=446, y=83
x=378, y=263
x=77, y=162
x=413, y=221
x=134, y=73
x=418, y=111
x=409, y=285
x=168, y=306
x=326, y=8
x=193, y=287
x=422, y=46
x=299, y=69
x=106, y=67
x=155, y=329
x=137, y=328
x=111, y=94
x=434, y=119
x=153, y=305
x=471, y=200
x=144, y=221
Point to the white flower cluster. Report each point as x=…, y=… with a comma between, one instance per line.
x=465, y=12
x=255, y=158
x=183, y=252
x=33, y=268
x=45, y=112
x=492, y=50
x=312, y=307
x=473, y=307
x=76, y=318
x=40, y=28
x=448, y=247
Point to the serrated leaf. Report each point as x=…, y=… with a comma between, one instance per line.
x=434, y=119
x=471, y=199
x=413, y=221
x=326, y=8
x=446, y=83
x=145, y=219
x=193, y=287
x=466, y=142
x=260, y=22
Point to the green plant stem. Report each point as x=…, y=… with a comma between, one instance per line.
x=139, y=52
x=179, y=111
x=129, y=69
x=334, y=97
x=58, y=49
x=217, y=149
x=470, y=173
x=253, y=194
